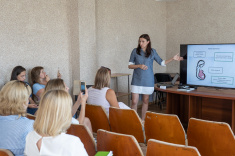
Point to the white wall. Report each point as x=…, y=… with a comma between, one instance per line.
x=79, y=36
x=119, y=25
x=198, y=21
x=34, y=33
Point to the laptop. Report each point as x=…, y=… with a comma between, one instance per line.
x=169, y=84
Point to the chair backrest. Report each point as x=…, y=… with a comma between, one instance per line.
x=162, y=77
x=5, y=152
x=98, y=117
x=160, y=148
x=211, y=138
x=126, y=121
x=85, y=136
x=164, y=127
x=120, y=144
x=30, y=116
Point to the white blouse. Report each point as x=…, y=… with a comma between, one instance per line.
x=61, y=145
x=98, y=97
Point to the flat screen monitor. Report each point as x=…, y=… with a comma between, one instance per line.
x=211, y=65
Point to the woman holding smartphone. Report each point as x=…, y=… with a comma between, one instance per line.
x=141, y=60
x=58, y=84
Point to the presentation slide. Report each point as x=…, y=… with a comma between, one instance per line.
x=211, y=65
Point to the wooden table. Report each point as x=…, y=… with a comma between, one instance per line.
x=120, y=94
x=203, y=103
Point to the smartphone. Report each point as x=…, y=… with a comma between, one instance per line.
x=83, y=87
x=58, y=73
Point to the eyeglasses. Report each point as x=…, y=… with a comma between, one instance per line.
x=106, y=68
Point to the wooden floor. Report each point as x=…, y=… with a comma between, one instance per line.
x=153, y=108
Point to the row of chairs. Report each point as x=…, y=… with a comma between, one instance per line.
x=210, y=138
x=122, y=144
x=127, y=121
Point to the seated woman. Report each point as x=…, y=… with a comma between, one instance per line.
x=39, y=79
x=14, y=99
x=19, y=73
x=101, y=94
x=53, y=119
x=58, y=84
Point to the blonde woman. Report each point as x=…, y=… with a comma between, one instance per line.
x=53, y=119
x=14, y=126
x=56, y=84
x=101, y=94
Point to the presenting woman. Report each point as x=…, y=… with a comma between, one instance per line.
x=141, y=60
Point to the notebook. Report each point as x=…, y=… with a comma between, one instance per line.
x=169, y=84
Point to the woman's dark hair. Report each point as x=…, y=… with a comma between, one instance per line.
x=148, y=49
x=16, y=71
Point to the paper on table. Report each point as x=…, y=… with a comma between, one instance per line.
x=186, y=90
x=163, y=87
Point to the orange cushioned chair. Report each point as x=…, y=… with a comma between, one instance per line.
x=126, y=121
x=5, y=152
x=30, y=116
x=161, y=148
x=98, y=117
x=120, y=144
x=211, y=138
x=85, y=136
x=164, y=127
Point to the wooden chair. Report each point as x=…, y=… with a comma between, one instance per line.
x=120, y=144
x=211, y=138
x=126, y=121
x=98, y=117
x=30, y=116
x=160, y=148
x=5, y=152
x=85, y=136
x=164, y=127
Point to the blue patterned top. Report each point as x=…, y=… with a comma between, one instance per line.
x=141, y=77
x=13, y=131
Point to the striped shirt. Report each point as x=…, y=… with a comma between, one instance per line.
x=13, y=132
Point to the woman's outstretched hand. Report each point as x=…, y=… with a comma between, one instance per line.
x=177, y=57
